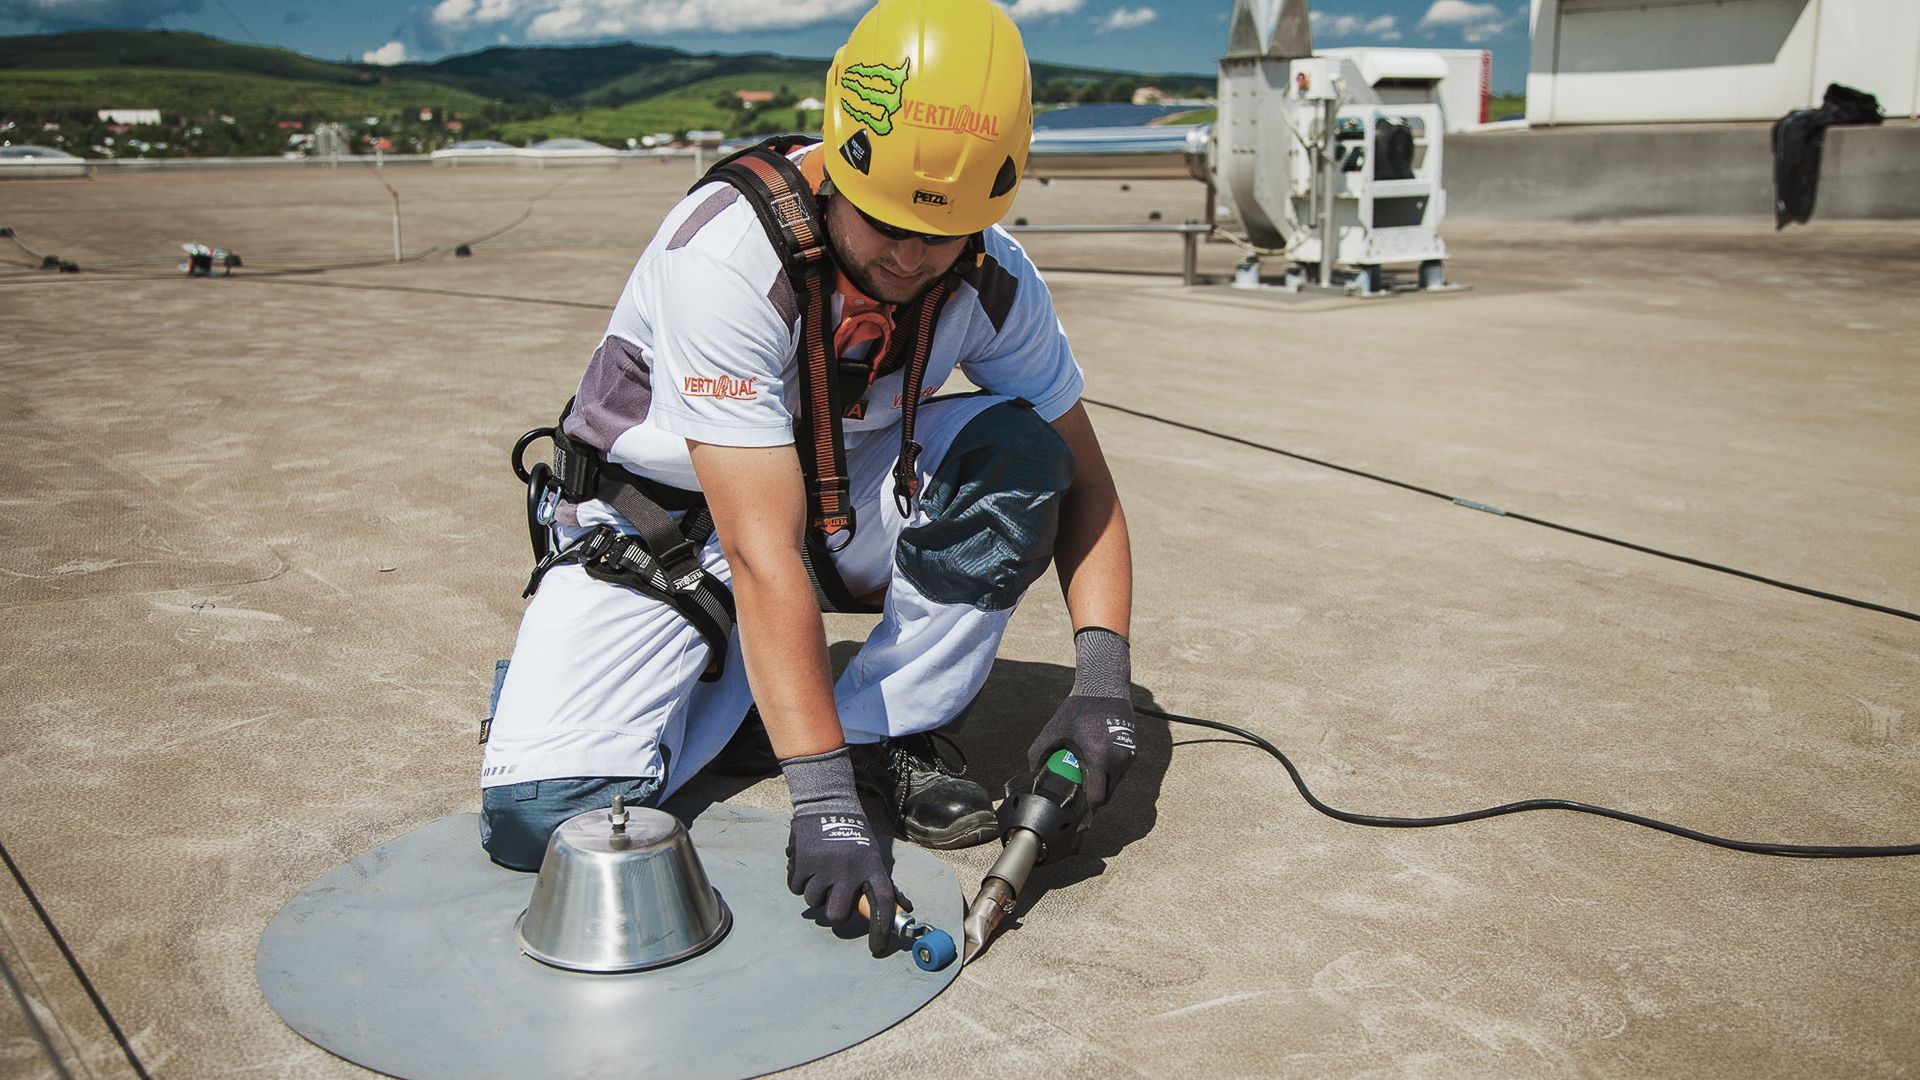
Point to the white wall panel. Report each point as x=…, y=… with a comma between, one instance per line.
x=1649, y=61
x=1871, y=45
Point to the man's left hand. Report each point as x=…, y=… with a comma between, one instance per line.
x=1099, y=731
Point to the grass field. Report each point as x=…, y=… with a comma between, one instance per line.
x=684, y=108
x=1193, y=116
x=187, y=93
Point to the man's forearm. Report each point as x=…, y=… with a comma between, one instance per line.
x=1092, y=554
x=785, y=646
x=1095, y=560
x=759, y=509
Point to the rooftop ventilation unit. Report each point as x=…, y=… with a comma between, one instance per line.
x=1314, y=165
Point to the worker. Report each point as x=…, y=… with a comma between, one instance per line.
x=757, y=437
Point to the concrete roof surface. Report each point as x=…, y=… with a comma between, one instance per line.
x=262, y=549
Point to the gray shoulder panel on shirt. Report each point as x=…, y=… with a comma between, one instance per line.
x=615, y=394
x=705, y=212
x=996, y=289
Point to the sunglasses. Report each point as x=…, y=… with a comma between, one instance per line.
x=897, y=234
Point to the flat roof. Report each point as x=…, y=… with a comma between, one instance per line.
x=263, y=549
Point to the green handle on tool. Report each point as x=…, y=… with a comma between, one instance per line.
x=1060, y=780
x=1063, y=764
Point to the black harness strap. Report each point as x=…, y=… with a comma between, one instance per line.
x=906, y=485
x=662, y=561
x=790, y=213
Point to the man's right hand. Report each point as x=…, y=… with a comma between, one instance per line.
x=832, y=856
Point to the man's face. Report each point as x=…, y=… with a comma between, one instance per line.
x=890, y=271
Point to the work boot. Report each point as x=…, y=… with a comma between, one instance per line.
x=926, y=798
x=749, y=753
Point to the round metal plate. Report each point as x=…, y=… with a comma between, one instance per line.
x=404, y=961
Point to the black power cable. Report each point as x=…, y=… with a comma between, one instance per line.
x=80, y=973
x=1515, y=515
x=1382, y=821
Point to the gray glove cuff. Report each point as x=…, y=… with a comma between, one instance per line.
x=1102, y=664
x=822, y=783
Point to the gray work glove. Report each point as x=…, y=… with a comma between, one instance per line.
x=1096, y=721
x=832, y=858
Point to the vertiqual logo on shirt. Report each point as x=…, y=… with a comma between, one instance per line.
x=720, y=386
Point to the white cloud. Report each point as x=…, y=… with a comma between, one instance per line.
x=559, y=20
x=392, y=52
x=1476, y=22
x=1380, y=27
x=1124, y=18
x=459, y=14
x=1458, y=12
x=1022, y=10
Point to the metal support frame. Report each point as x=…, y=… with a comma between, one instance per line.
x=1189, y=232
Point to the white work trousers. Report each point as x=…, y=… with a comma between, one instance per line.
x=606, y=682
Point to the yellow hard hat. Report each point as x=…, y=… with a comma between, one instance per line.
x=929, y=113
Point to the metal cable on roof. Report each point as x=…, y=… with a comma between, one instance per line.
x=1689, y=560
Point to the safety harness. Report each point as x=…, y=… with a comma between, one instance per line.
x=663, y=560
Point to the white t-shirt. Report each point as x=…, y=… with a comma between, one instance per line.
x=702, y=345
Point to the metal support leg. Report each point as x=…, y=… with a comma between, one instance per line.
x=1328, y=176
x=1189, y=259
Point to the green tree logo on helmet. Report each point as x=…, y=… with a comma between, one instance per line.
x=877, y=86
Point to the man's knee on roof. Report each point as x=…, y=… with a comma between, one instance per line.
x=993, y=510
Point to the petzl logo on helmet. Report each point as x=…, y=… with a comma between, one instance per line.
x=876, y=89
x=931, y=198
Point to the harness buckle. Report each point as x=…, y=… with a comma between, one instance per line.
x=833, y=510
x=677, y=554
x=906, y=483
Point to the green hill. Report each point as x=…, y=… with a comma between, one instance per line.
x=604, y=92
x=193, y=93
x=588, y=74
x=185, y=74
x=161, y=49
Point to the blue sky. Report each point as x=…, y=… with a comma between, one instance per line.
x=1142, y=35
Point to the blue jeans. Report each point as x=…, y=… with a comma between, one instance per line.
x=516, y=820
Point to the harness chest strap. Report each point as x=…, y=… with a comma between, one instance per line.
x=785, y=202
x=663, y=560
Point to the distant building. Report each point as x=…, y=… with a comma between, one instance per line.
x=330, y=140
x=1664, y=60
x=131, y=116
x=750, y=98
x=456, y=126
x=1149, y=95
x=812, y=104
x=290, y=125
x=426, y=116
